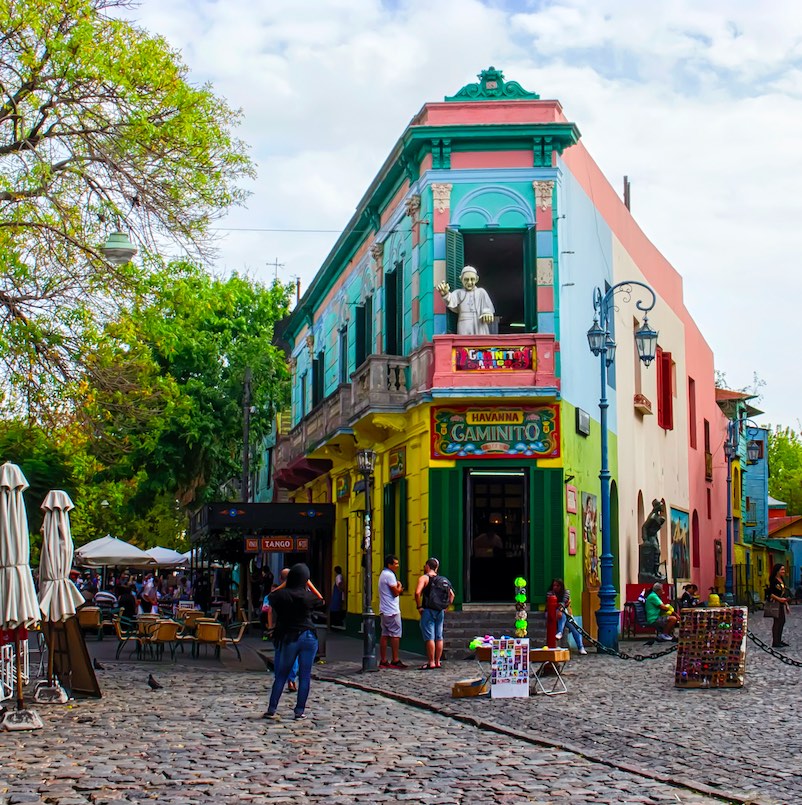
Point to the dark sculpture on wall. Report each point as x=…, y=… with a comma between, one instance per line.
x=649, y=549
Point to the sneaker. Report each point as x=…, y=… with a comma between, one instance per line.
x=300, y=717
x=665, y=638
x=397, y=664
x=559, y=635
x=583, y=650
x=384, y=664
x=271, y=716
x=784, y=645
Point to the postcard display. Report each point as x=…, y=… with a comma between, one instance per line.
x=712, y=648
x=509, y=668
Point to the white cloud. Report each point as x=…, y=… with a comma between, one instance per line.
x=699, y=104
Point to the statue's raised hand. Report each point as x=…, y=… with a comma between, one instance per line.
x=444, y=288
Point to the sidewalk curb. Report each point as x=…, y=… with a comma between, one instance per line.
x=490, y=726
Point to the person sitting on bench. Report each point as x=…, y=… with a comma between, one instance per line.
x=660, y=615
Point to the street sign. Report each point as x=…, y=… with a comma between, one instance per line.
x=276, y=544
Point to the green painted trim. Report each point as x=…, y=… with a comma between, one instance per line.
x=403, y=163
x=493, y=87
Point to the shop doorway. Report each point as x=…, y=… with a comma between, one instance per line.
x=497, y=533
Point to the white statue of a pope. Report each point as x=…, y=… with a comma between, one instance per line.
x=472, y=304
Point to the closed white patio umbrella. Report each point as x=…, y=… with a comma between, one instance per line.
x=58, y=596
x=109, y=551
x=18, y=605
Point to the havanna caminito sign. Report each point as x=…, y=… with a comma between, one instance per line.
x=489, y=359
x=465, y=431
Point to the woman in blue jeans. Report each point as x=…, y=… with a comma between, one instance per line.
x=295, y=634
x=564, y=607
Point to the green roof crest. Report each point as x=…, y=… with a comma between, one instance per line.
x=493, y=87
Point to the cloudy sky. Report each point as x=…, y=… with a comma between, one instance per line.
x=699, y=103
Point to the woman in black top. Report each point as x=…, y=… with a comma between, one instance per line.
x=778, y=592
x=292, y=605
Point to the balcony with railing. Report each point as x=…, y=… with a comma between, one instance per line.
x=525, y=361
x=327, y=417
x=393, y=383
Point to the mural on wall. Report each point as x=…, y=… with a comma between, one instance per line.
x=680, y=554
x=398, y=463
x=462, y=431
x=590, y=534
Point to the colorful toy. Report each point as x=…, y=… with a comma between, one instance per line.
x=520, y=607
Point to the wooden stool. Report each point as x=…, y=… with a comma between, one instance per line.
x=551, y=660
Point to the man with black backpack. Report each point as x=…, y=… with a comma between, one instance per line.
x=433, y=596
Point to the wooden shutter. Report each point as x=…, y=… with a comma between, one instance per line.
x=546, y=531
x=388, y=520
x=455, y=261
x=360, y=352
x=665, y=397
x=446, y=534
x=530, y=280
x=391, y=345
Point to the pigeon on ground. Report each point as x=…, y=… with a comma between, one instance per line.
x=153, y=684
x=97, y=666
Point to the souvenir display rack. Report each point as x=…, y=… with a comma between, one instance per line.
x=711, y=652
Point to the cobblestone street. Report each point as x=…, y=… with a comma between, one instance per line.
x=622, y=734
x=201, y=740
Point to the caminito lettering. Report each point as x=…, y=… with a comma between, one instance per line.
x=530, y=432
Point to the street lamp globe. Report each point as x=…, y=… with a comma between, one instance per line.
x=596, y=338
x=118, y=249
x=365, y=461
x=646, y=340
x=609, y=346
x=753, y=452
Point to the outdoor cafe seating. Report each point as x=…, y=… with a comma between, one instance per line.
x=127, y=631
x=162, y=633
x=208, y=632
x=90, y=619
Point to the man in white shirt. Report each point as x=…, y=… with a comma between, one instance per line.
x=390, y=608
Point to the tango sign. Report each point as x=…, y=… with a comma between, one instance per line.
x=276, y=544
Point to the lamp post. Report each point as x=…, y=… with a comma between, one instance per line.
x=731, y=445
x=366, y=460
x=730, y=451
x=602, y=345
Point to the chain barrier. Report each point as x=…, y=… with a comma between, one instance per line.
x=621, y=655
x=769, y=650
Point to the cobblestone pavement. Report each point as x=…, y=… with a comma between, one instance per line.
x=630, y=713
x=201, y=739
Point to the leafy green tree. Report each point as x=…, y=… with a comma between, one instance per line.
x=45, y=464
x=100, y=128
x=785, y=467
x=165, y=403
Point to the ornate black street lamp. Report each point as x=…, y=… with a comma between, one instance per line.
x=366, y=460
x=602, y=345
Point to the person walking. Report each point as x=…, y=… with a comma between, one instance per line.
x=558, y=589
x=337, y=606
x=295, y=633
x=390, y=608
x=778, y=592
x=292, y=677
x=433, y=596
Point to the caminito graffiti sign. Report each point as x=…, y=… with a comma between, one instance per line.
x=463, y=431
x=478, y=359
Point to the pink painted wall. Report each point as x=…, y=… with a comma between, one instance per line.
x=454, y=113
x=491, y=159
x=698, y=359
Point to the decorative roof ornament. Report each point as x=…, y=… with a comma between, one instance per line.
x=493, y=87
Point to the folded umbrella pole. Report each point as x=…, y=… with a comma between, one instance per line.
x=58, y=596
x=19, y=608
